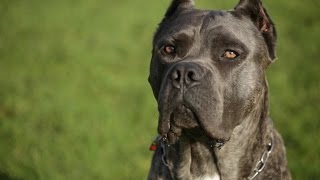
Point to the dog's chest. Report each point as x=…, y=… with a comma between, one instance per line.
x=209, y=177
x=196, y=162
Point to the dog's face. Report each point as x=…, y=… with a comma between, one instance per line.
x=208, y=67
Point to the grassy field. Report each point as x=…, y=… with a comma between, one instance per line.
x=74, y=97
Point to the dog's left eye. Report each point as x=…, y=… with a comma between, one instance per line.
x=169, y=49
x=230, y=54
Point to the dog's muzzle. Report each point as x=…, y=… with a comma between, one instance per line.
x=190, y=97
x=176, y=111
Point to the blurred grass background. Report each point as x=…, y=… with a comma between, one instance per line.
x=74, y=97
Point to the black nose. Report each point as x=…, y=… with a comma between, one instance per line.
x=186, y=74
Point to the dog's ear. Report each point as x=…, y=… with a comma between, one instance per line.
x=178, y=5
x=258, y=14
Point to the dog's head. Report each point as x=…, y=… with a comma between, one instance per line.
x=208, y=67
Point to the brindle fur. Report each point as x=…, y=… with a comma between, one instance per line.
x=203, y=97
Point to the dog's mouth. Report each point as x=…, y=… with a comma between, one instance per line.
x=191, y=120
x=182, y=119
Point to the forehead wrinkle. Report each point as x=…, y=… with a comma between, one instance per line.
x=175, y=33
x=244, y=31
x=189, y=32
x=209, y=19
x=180, y=23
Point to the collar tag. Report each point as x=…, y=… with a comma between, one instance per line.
x=153, y=147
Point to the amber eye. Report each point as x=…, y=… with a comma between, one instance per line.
x=169, y=49
x=229, y=54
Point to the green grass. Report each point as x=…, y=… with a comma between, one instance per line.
x=74, y=97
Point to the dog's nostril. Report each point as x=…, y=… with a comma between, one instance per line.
x=175, y=75
x=176, y=78
x=191, y=75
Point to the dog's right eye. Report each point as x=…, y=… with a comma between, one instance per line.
x=230, y=54
x=169, y=49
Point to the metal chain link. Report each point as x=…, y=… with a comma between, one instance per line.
x=163, y=157
x=164, y=145
x=263, y=160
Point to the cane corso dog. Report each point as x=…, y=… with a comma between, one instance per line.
x=208, y=75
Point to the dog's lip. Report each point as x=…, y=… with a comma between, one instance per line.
x=172, y=137
x=164, y=122
x=170, y=131
x=199, y=118
x=173, y=132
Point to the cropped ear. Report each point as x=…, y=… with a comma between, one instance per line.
x=178, y=5
x=258, y=14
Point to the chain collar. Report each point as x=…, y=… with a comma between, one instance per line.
x=261, y=164
x=164, y=145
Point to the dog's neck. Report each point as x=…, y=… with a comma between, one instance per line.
x=197, y=160
x=241, y=153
